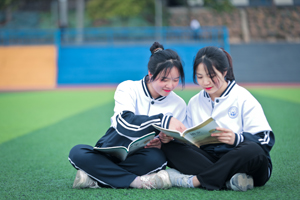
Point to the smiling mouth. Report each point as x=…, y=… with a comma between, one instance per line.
x=208, y=88
x=167, y=90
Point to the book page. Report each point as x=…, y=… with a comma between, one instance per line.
x=140, y=142
x=121, y=152
x=172, y=133
x=201, y=134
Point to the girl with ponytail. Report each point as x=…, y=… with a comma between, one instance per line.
x=241, y=159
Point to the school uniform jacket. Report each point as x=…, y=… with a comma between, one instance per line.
x=235, y=109
x=135, y=111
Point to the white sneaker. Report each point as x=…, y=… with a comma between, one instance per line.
x=82, y=180
x=240, y=182
x=158, y=180
x=178, y=179
x=163, y=174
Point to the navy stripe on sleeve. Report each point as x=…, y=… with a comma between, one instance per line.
x=133, y=125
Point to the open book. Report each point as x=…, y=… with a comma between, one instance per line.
x=122, y=152
x=197, y=135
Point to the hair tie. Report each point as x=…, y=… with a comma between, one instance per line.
x=157, y=50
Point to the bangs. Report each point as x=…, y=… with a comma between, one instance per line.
x=209, y=69
x=163, y=70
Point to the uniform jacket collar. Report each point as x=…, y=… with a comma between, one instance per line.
x=230, y=85
x=147, y=92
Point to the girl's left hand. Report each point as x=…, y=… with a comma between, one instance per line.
x=227, y=136
x=155, y=143
x=164, y=138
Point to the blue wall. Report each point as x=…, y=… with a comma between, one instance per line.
x=95, y=55
x=112, y=65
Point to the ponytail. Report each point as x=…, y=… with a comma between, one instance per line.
x=229, y=75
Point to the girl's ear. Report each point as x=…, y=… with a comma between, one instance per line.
x=225, y=73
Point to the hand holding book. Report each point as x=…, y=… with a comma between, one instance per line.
x=175, y=124
x=197, y=135
x=224, y=135
x=154, y=143
x=165, y=138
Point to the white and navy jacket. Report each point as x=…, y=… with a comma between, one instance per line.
x=236, y=109
x=135, y=111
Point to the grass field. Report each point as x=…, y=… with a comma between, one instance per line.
x=37, y=130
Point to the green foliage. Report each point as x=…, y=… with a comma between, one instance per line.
x=8, y=3
x=103, y=9
x=5, y=3
x=219, y=5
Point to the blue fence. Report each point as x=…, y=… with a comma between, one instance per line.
x=27, y=36
x=112, y=55
x=142, y=34
x=216, y=34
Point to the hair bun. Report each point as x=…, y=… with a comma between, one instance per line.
x=155, y=46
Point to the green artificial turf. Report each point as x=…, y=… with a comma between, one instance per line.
x=34, y=164
x=287, y=94
x=24, y=112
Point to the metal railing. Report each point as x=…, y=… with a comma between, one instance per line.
x=27, y=36
x=140, y=34
x=215, y=35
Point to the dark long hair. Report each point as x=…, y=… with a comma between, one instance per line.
x=214, y=57
x=162, y=60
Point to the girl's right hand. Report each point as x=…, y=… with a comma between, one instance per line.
x=175, y=124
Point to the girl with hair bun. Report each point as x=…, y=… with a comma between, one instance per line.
x=138, y=105
x=241, y=159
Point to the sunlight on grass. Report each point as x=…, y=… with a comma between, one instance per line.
x=287, y=94
x=24, y=112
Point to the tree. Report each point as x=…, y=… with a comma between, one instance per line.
x=7, y=6
x=219, y=5
x=106, y=9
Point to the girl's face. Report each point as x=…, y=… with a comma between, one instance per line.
x=213, y=89
x=163, y=85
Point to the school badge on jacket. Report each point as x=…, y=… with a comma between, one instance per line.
x=233, y=112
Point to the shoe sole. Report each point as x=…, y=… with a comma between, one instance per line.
x=241, y=182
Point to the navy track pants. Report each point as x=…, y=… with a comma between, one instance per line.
x=109, y=172
x=214, y=170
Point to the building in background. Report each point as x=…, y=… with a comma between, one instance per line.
x=249, y=20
